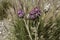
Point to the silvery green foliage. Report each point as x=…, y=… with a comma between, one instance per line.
x=46, y=7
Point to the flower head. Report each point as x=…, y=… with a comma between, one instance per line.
x=35, y=13
x=21, y=13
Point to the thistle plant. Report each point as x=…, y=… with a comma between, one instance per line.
x=35, y=19
x=34, y=24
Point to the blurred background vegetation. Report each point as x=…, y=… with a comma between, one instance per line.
x=4, y=5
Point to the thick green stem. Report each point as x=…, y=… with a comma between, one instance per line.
x=27, y=27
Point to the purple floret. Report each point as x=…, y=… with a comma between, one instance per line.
x=32, y=16
x=37, y=10
x=20, y=15
x=32, y=12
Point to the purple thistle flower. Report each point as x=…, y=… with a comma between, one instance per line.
x=35, y=13
x=21, y=13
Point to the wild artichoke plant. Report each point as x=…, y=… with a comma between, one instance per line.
x=33, y=15
x=35, y=19
x=38, y=26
